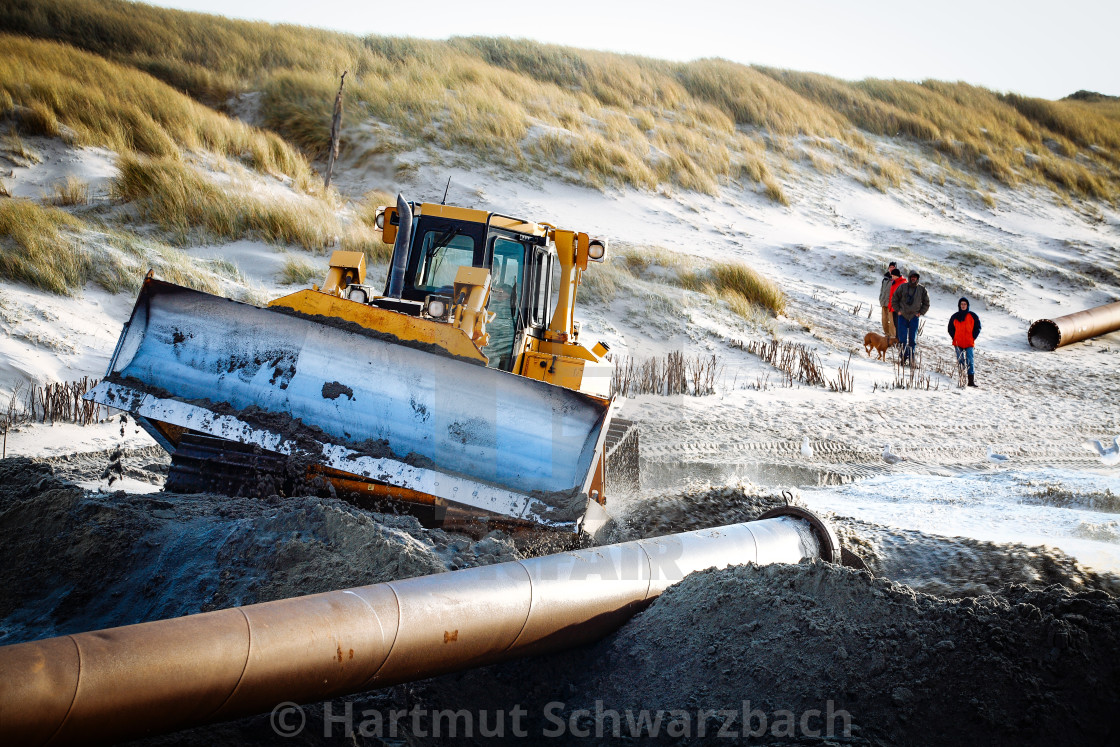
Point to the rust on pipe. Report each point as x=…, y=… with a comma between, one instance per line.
x=1049, y=334
x=161, y=676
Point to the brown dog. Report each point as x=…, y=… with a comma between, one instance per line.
x=875, y=341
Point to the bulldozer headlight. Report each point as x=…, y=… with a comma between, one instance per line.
x=357, y=293
x=379, y=219
x=436, y=307
x=597, y=250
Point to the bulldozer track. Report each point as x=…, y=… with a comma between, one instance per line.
x=204, y=464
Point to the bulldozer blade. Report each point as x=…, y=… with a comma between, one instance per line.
x=357, y=400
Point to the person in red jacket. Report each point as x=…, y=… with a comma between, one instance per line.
x=896, y=280
x=964, y=328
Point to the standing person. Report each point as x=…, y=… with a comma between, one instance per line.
x=911, y=301
x=885, y=301
x=964, y=328
x=896, y=280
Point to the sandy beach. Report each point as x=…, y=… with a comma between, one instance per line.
x=989, y=614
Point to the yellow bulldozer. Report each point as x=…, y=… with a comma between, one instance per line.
x=459, y=389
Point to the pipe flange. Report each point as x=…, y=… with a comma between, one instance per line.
x=827, y=541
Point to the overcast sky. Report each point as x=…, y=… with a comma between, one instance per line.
x=1047, y=49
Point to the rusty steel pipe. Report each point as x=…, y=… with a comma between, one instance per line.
x=1049, y=334
x=156, y=677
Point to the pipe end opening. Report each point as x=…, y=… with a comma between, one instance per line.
x=828, y=544
x=1044, y=335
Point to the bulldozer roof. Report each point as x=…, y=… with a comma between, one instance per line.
x=482, y=216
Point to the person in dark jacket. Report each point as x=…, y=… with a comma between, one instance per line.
x=964, y=328
x=885, y=301
x=911, y=302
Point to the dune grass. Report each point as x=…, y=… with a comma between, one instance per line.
x=595, y=117
x=69, y=192
x=466, y=94
x=43, y=247
x=750, y=97
x=742, y=287
x=226, y=269
x=361, y=234
x=602, y=282
x=16, y=151
x=299, y=106
x=651, y=262
x=57, y=90
x=740, y=281
x=298, y=271
x=747, y=292
x=629, y=264
x=47, y=248
x=207, y=56
x=35, y=247
x=176, y=267
x=140, y=254
x=191, y=207
x=180, y=200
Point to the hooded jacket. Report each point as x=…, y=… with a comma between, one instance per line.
x=964, y=326
x=895, y=282
x=910, y=300
x=885, y=290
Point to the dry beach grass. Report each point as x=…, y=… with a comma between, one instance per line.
x=605, y=118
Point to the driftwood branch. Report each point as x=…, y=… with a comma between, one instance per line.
x=336, y=127
x=10, y=417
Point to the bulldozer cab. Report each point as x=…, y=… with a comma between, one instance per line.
x=520, y=266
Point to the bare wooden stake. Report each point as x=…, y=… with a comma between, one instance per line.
x=336, y=126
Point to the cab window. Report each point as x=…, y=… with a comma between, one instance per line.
x=508, y=267
x=442, y=253
x=542, y=277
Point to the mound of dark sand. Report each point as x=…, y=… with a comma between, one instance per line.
x=148, y=464
x=943, y=566
x=75, y=560
x=698, y=506
x=755, y=650
x=954, y=567
x=1034, y=666
x=1026, y=664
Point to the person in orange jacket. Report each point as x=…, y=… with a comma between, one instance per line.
x=964, y=328
x=896, y=280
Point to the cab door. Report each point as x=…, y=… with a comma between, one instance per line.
x=509, y=276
